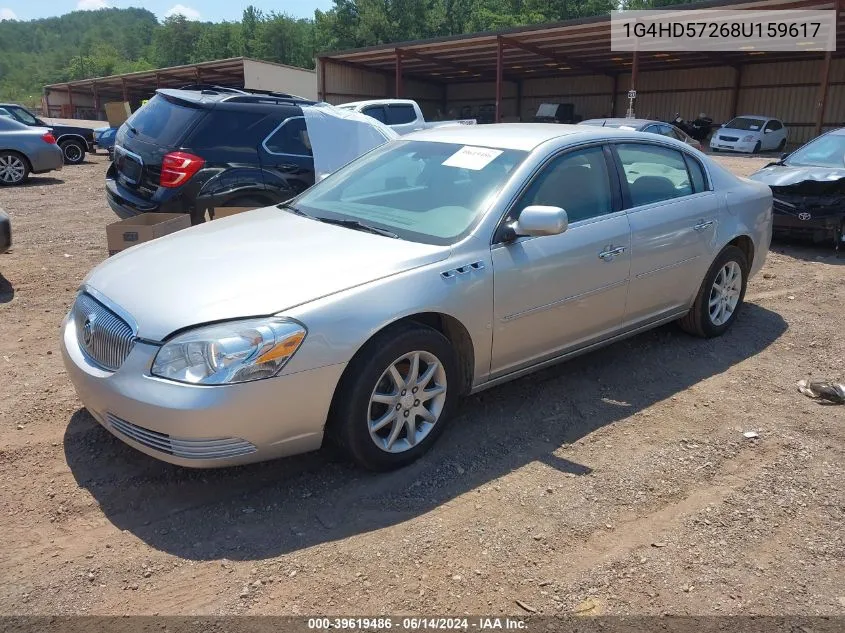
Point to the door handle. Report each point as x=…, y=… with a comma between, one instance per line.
x=702, y=224
x=610, y=253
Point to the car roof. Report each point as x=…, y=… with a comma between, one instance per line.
x=519, y=136
x=754, y=116
x=367, y=102
x=210, y=97
x=621, y=121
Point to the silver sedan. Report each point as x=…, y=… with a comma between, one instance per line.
x=26, y=150
x=438, y=265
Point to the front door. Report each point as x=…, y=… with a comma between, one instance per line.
x=557, y=292
x=673, y=216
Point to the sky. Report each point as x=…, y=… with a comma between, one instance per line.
x=206, y=10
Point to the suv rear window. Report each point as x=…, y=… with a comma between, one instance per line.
x=399, y=114
x=162, y=121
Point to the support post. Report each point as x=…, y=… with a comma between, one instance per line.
x=613, y=95
x=398, y=71
x=123, y=87
x=198, y=74
x=499, y=70
x=96, y=98
x=821, y=102
x=735, y=93
x=321, y=78
x=519, y=99
x=70, y=101
x=635, y=66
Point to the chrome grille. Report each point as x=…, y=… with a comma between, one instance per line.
x=105, y=337
x=217, y=448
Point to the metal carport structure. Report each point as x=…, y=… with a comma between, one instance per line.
x=574, y=59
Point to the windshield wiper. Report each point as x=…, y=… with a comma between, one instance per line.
x=295, y=210
x=358, y=226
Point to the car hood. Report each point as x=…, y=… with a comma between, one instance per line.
x=788, y=176
x=252, y=264
x=733, y=132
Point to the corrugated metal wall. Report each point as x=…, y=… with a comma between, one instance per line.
x=346, y=83
x=787, y=90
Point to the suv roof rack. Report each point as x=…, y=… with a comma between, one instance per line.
x=246, y=95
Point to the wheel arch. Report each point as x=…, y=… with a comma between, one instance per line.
x=72, y=137
x=746, y=245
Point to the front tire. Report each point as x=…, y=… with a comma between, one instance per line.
x=14, y=168
x=757, y=147
x=720, y=297
x=781, y=145
x=73, y=151
x=395, y=397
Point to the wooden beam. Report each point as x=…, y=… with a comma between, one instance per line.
x=500, y=47
x=70, y=101
x=635, y=67
x=541, y=52
x=321, y=79
x=821, y=101
x=398, y=74
x=613, y=95
x=123, y=87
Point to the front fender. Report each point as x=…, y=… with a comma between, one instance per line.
x=341, y=324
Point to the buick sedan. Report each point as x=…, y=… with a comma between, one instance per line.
x=435, y=266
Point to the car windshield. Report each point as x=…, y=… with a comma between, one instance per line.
x=421, y=191
x=744, y=123
x=825, y=151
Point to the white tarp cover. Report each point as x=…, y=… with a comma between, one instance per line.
x=339, y=136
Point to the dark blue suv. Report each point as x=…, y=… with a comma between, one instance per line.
x=192, y=150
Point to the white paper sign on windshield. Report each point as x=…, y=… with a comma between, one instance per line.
x=475, y=158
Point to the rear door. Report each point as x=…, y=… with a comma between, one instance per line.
x=151, y=132
x=286, y=157
x=673, y=215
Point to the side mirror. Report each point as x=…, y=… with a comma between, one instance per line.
x=538, y=220
x=766, y=131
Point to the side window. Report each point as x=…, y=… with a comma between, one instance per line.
x=290, y=138
x=228, y=130
x=672, y=132
x=399, y=114
x=5, y=112
x=651, y=129
x=22, y=115
x=377, y=112
x=653, y=173
x=696, y=172
x=576, y=181
x=773, y=125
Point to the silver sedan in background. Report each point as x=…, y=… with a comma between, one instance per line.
x=645, y=125
x=435, y=266
x=26, y=150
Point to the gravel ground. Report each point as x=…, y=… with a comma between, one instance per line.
x=618, y=483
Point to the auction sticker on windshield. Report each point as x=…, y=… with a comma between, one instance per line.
x=475, y=158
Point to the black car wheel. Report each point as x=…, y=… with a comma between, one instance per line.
x=14, y=168
x=74, y=152
x=781, y=145
x=720, y=297
x=756, y=149
x=395, y=397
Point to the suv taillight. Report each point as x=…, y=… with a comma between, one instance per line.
x=49, y=138
x=177, y=168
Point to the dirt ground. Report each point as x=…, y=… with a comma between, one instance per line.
x=618, y=483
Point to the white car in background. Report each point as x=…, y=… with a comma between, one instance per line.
x=403, y=116
x=750, y=133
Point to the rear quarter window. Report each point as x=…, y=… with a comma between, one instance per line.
x=163, y=122
x=229, y=130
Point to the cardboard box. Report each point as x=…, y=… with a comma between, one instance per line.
x=225, y=212
x=143, y=228
x=117, y=112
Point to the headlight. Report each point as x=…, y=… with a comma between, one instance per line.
x=748, y=139
x=237, y=351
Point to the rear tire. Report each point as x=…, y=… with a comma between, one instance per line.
x=757, y=147
x=384, y=416
x=781, y=145
x=14, y=168
x=73, y=151
x=713, y=312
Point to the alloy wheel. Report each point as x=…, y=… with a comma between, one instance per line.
x=12, y=169
x=407, y=401
x=725, y=292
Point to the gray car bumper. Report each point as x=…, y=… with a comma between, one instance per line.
x=47, y=158
x=202, y=426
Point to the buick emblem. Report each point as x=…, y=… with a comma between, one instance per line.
x=88, y=331
x=804, y=216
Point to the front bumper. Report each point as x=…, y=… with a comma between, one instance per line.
x=202, y=426
x=817, y=229
x=732, y=146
